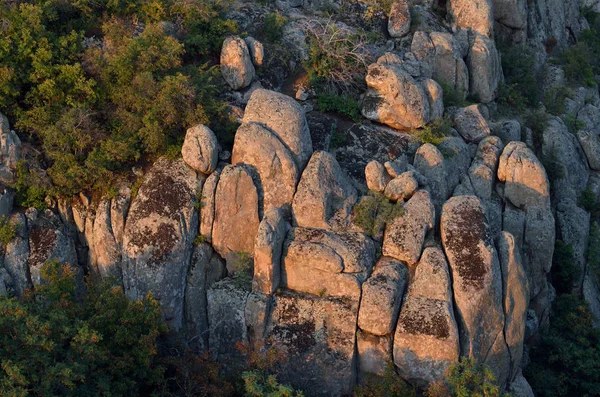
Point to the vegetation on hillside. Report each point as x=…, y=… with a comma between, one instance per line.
x=101, y=85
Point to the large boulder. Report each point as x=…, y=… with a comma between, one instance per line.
x=381, y=297
x=259, y=148
x=516, y=298
x=399, y=20
x=285, y=118
x=395, y=98
x=318, y=336
x=376, y=176
x=267, y=251
x=321, y=262
x=236, y=64
x=477, y=283
x=430, y=163
x=475, y=15
x=471, y=124
x=207, y=205
x=483, y=170
x=405, y=235
x=325, y=197
x=427, y=340
x=448, y=64
x=200, y=149
x=485, y=69
x=402, y=187
x=160, y=229
x=236, y=212
x=511, y=13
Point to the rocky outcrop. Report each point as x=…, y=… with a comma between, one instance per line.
x=285, y=118
x=477, y=283
x=268, y=250
x=485, y=69
x=402, y=187
x=475, y=15
x=256, y=49
x=471, y=124
x=16, y=256
x=376, y=176
x=399, y=20
x=404, y=236
x=429, y=162
x=10, y=145
x=207, y=205
x=447, y=63
x=200, y=149
x=324, y=197
x=260, y=149
x=426, y=341
x=157, y=243
x=236, y=63
x=395, y=98
x=236, y=212
x=590, y=143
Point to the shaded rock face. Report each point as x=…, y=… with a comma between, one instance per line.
x=484, y=67
x=324, y=197
x=278, y=174
x=236, y=63
x=328, y=263
x=48, y=240
x=374, y=352
x=157, y=242
x=16, y=256
x=426, y=341
x=477, y=283
x=236, y=216
x=10, y=145
x=317, y=334
x=405, y=235
x=430, y=163
x=395, y=98
x=285, y=118
x=267, y=251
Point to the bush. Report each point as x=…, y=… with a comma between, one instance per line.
x=434, y=132
x=374, y=211
x=341, y=104
x=338, y=58
x=54, y=342
x=259, y=385
x=273, y=24
x=451, y=96
x=567, y=361
x=8, y=231
x=564, y=270
x=467, y=379
x=388, y=385
x=521, y=87
x=555, y=100
x=577, y=63
x=573, y=124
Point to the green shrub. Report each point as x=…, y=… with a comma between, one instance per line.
x=56, y=342
x=434, y=132
x=588, y=200
x=564, y=270
x=374, y=211
x=555, y=100
x=452, y=97
x=30, y=190
x=273, y=24
x=259, y=385
x=467, y=379
x=341, y=104
x=537, y=121
x=242, y=267
x=573, y=124
x=577, y=64
x=567, y=361
x=388, y=385
x=521, y=87
x=8, y=231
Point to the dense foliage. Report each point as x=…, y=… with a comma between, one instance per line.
x=54, y=342
x=99, y=85
x=567, y=362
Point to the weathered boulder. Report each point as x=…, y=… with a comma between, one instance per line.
x=402, y=187
x=448, y=64
x=590, y=143
x=429, y=162
x=435, y=96
x=267, y=251
x=471, y=124
x=257, y=50
x=381, y=297
x=426, y=340
x=526, y=182
x=157, y=243
x=324, y=197
x=277, y=171
x=516, y=298
x=374, y=352
x=485, y=69
x=104, y=251
x=236, y=212
x=511, y=13
x=589, y=115
x=395, y=98
x=457, y=159
x=425, y=52
x=476, y=15
x=397, y=166
x=285, y=118
x=49, y=240
x=508, y=131
x=399, y=20
x=482, y=173
x=321, y=262
x=207, y=205
x=318, y=336
x=227, y=322
x=477, y=283
x=404, y=236
x=236, y=63
x=200, y=149
x=591, y=293
x=206, y=268
x=376, y=176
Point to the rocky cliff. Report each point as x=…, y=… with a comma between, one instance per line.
x=262, y=244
